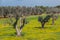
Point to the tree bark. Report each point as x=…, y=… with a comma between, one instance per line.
x=22, y=22
x=21, y=26
x=43, y=24
x=16, y=27
x=17, y=30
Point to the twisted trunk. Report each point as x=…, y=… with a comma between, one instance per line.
x=17, y=31
x=22, y=22
x=16, y=27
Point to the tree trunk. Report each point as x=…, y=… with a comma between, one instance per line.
x=43, y=25
x=53, y=19
x=17, y=31
x=21, y=26
x=4, y=16
x=16, y=27
x=22, y=22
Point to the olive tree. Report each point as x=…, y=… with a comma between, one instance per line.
x=44, y=20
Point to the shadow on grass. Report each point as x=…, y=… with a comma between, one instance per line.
x=43, y=28
x=9, y=34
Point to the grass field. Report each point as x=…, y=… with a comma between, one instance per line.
x=31, y=31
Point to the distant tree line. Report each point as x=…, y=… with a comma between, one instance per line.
x=18, y=10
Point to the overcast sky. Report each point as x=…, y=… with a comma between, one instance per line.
x=29, y=2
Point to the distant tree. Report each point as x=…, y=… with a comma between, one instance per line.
x=53, y=11
x=58, y=6
x=44, y=20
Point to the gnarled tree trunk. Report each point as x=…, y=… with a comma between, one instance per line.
x=22, y=22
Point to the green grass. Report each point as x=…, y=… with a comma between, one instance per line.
x=31, y=31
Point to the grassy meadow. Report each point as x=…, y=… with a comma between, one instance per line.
x=31, y=31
